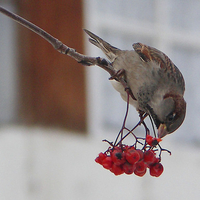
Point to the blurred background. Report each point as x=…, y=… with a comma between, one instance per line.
x=54, y=112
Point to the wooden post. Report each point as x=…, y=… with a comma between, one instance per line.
x=52, y=85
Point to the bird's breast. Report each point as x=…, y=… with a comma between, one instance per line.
x=142, y=77
x=118, y=86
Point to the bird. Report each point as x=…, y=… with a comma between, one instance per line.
x=156, y=83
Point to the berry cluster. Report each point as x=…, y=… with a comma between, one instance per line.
x=128, y=160
x=145, y=152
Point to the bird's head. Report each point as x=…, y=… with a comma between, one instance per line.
x=169, y=114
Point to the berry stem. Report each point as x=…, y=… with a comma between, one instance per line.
x=124, y=122
x=129, y=132
x=161, y=150
x=110, y=143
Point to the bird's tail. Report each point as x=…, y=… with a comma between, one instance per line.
x=109, y=50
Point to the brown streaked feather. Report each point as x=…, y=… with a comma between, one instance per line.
x=148, y=54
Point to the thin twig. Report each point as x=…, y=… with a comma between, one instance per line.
x=64, y=49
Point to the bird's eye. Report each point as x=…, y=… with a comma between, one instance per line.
x=171, y=116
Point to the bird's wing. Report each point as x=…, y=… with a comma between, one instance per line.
x=149, y=54
x=109, y=50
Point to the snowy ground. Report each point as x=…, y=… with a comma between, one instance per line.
x=47, y=164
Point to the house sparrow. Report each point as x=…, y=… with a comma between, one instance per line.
x=156, y=83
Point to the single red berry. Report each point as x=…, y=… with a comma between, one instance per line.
x=118, y=157
x=100, y=158
x=140, y=166
x=152, y=141
x=156, y=169
x=149, y=139
x=132, y=156
x=117, y=169
x=140, y=173
x=149, y=157
x=107, y=162
x=97, y=160
x=128, y=168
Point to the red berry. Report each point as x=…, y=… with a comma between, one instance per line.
x=149, y=139
x=100, y=158
x=149, y=157
x=116, y=169
x=138, y=173
x=152, y=141
x=128, y=168
x=97, y=160
x=132, y=156
x=140, y=166
x=156, y=169
x=107, y=163
x=118, y=157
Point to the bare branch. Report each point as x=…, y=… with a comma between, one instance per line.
x=64, y=49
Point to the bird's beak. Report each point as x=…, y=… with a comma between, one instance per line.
x=162, y=131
